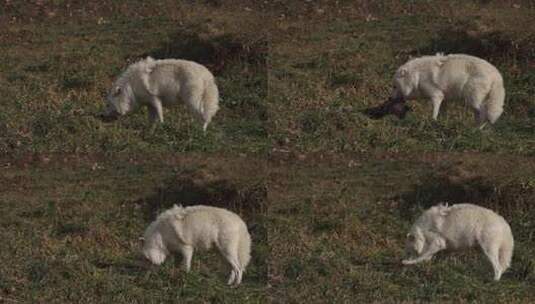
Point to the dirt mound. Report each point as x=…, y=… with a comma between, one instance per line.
x=216, y=52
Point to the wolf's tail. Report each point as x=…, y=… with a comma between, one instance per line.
x=506, y=250
x=244, y=249
x=210, y=102
x=495, y=100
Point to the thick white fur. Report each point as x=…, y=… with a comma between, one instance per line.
x=199, y=227
x=162, y=83
x=465, y=77
x=461, y=226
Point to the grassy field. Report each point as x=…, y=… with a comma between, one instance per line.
x=340, y=224
x=332, y=69
x=328, y=193
x=73, y=225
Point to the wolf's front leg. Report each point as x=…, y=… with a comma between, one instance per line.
x=153, y=118
x=436, y=101
x=156, y=110
x=436, y=96
x=436, y=245
x=155, y=114
x=187, y=254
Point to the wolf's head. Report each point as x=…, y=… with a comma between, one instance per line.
x=415, y=242
x=120, y=100
x=154, y=248
x=405, y=84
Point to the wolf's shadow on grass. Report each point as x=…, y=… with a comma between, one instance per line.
x=214, y=51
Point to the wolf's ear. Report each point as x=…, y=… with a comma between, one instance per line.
x=443, y=209
x=443, y=205
x=179, y=212
x=116, y=91
x=149, y=65
x=410, y=237
x=403, y=72
x=441, y=59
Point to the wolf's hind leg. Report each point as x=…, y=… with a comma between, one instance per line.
x=492, y=251
x=230, y=253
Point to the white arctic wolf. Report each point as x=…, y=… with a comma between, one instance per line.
x=199, y=227
x=461, y=226
x=441, y=77
x=159, y=83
